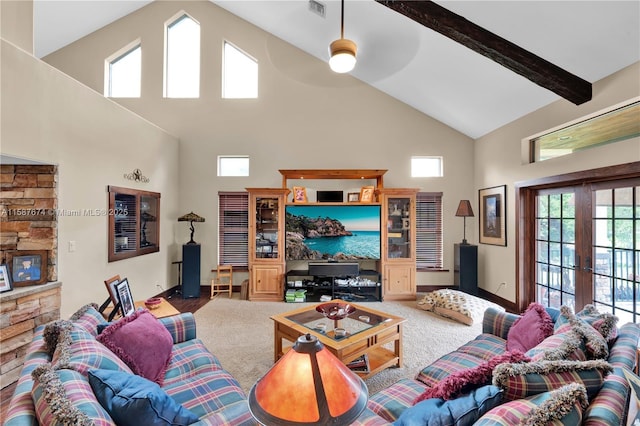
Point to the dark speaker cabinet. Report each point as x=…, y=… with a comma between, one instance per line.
x=465, y=267
x=190, y=270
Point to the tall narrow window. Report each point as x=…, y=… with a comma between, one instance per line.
x=429, y=230
x=124, y=72
x=233, y=244
x=182, y=58
x=240, y=74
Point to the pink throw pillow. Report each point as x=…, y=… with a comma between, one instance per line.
x=530, y=329
x=142, y=342
x=464, y=381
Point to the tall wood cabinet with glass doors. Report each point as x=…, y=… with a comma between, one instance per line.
x=266, y=243
x=399, y=243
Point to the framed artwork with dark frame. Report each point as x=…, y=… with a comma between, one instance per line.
x=127, y=307
x=366, y=194
x=27, y=267
x=353, y=197
x=299, y=194
x=493, y=218
x=5, y=279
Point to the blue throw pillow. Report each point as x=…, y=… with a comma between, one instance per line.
x=462, y=411
x=129, y=398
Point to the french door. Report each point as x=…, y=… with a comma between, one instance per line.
x=579, y=243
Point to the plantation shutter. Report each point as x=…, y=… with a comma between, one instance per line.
x=429, y=230
x=233, y=229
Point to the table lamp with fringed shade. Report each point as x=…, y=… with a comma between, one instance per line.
x=308, y=386
x=191, y=217
x=465, y=211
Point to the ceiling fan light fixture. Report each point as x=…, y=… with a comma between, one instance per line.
x=343, y=55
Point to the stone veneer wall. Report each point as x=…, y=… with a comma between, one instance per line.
x=28, y=211
x=21, y=311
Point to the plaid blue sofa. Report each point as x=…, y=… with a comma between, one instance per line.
x=607, y=408
x=194, y=377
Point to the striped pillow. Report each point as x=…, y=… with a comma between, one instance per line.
x=523, y=380
x=65, y=397
x=563, y=406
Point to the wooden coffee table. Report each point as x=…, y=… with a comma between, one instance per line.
x=368, y=330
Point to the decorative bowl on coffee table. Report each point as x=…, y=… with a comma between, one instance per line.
x=153, y=303
x=336, y=311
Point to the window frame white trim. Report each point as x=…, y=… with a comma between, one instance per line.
x=174, y=19
x=248, y=55
x=223, y=157
x=115, y=57
x=422, y=157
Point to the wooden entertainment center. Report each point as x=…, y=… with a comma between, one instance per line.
x=268, y=269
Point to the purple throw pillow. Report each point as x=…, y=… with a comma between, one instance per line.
x=530, y=329
x=142, y=342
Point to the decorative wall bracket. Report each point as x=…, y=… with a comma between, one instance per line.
x=137, y=176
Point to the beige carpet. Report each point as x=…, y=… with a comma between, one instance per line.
x=240, y=334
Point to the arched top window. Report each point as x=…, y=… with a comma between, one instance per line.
x=182, y=58
x=239, y=74
x=123, y=72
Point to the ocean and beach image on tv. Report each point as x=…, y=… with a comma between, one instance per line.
x=332, y=232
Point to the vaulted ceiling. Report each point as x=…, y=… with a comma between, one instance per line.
x=406, y=58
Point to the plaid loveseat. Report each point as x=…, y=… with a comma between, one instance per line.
x=194, y=378
x=608, y=407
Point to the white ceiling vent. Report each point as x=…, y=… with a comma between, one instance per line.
x=316, y=7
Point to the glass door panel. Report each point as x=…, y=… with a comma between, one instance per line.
x=616, y=248
x=555, y=248
x=266, y=228
x=399, y=229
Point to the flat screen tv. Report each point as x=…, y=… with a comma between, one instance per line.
x=335, y=232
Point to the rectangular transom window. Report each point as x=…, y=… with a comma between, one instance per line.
x=426, y=166
x=239, y=74
x=613, y=125
x=233, y=165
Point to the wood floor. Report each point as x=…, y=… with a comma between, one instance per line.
x=183, y=305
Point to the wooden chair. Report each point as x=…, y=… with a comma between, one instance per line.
x=223, y=278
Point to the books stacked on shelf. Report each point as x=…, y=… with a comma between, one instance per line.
x=360, y=364
x=293, y=296
x=325, y=298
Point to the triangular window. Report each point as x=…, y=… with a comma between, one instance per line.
x=239, y=75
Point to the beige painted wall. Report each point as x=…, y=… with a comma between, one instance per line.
x=51, y=118
x=497, y=264
x=16, y=23
x=306, y=117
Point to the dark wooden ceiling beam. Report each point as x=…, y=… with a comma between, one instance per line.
x=494, y=47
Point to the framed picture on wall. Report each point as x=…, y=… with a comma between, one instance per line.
x=5, y=278
x=27, y=267
x=493, y=219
